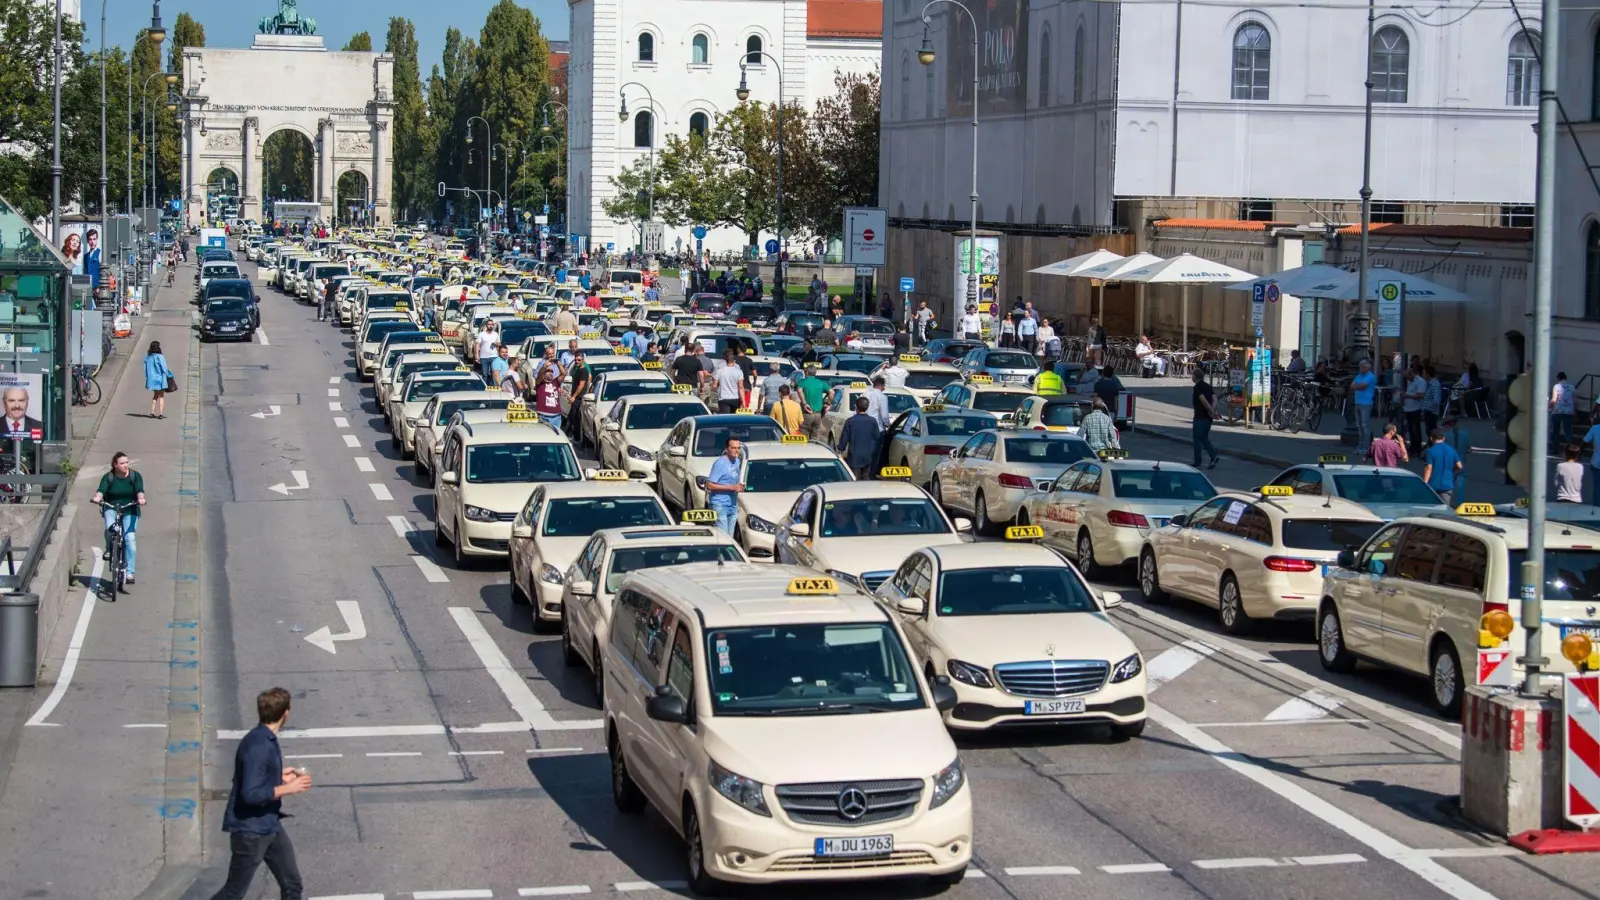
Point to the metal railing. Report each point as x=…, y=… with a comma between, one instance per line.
x=18, y=577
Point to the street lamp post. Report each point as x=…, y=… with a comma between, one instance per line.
x=489, y=142
x=622, y=116
x=926, y=56
x=560, y=170
x=743, y=93
x=505, y=174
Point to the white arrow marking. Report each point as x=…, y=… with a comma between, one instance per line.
x=355, y=628
x=300, y=483
x=271, y=410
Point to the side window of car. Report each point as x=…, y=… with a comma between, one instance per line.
x=586, y=559
x=921, y=576
x=1211, y=513
x=617, y=412
x=1308, y=481
x=1464, y=563
x=1066, y=480
x=903, y=577
x=1420, y=554
x=1255, y=525
x=680, y=666
x=802, y=508
x=1089, y=481
x=1287, y=478
x=971, y=446
x=985, y=448
x=625, y=619
x=650, y=650
x=530, y=510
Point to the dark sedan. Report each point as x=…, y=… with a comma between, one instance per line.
x=226, y=319
x=240, y=288
x=948, y=350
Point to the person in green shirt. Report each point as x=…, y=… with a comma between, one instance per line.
x=812, y=391
x=121, y=491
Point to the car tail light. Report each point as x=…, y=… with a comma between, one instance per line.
x=1127, y=519
x=1040, y=428
x=936, y=451
x=1016, y=481
x=1491, y=606
x=1290, y=564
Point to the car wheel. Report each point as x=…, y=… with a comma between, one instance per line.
x=439, y=540
x=461, y=560
x=519, y=597
x=569, y=653
x=1128, y=732
x=599, y=673
x=1086, y=563
x=700, y=882
x=980, y=514
x=624, y=792
x=1445, y=669
x=937, y=490
x=1230, y=607
x=948, y=879
x=1150, y=578
x=1331, y=649
x=688, y=502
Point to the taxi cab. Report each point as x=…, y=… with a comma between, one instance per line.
x=684, y=459
x=1390, y=492
x=998, y=399
x=991, y=474
x=841, y=405
x=612, y=387
x=715, y=675
x=404, y=360
x=409, y=399
x=860, y=531
x=632, y=432
x=1060, y=414
x=1412, y=597
x=1252, y=556
x=1102, y=510
x=592, y=581
x=921, y=438
x=369, y=337
x=924, y=379
x=558, y=520
x=486, y=473
x=1021, y=635
x=774, y=476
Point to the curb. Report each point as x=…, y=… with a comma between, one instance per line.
x=1246, y=455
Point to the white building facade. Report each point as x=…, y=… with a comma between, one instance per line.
x=677, y=64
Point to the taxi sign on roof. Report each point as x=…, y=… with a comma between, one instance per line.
x=982, y=379
x=812, y=587
x=652, y=365
x=1475, y=509
x=1024, y=533
x=439, y=349
x=1522, y=503
x=794, y=439
x=402, y=305
x=462, y=369
x=1114, y=454
x=699, y=515
x=609, y=475
x=933, y=407
x=857, y=385
x=680, y=389
x=888, y=472
x=811, y=364
x=744, y=411
x=910, y=357
x=566, y=332
x=1332, y=458
x=1277, y=490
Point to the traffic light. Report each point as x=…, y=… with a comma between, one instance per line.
x=1519, y=430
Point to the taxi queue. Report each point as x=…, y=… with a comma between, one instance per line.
x=826, y=595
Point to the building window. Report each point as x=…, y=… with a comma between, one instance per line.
x=1522, y=70
x=699, y=124
x=1591, y=272
x=700, y=50
x=1252, y=62
x=644, y=129
x=1044, y=67
x=647, y=47
x=1391, y=65
x=1079, y=45
x=752, y=50
x=1388, y=212
x=1256, y=210
x=1516, y=217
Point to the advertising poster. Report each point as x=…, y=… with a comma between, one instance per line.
x=1002, y=61
x=80, y=244
x=988, y=272
x=22, y=399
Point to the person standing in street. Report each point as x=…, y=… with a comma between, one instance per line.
x=895, y=374
x=1411, y=404
x=1205, y=412
x=582, y=380
x=1439, y=466
x=925, y=323
x=487, y=340
x=252, y=818
x=1363, y=389
x=1107, y=387
x=1098, y=430
x=1569, y=477
x=813, y=390
x=730, y=384
x=858, y=441
x=725, y=483
x=787, y=412
x=1432, y=397
x=878, y=403
x=158, y=380
x=772, y=386
x=1028, y=332
x=1096, y=342
x=1390, y=448
x=971, y=325
x=547, y=396
x=1592, y=439
x=1563, y=405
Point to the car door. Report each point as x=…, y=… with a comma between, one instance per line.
x=1058, y=510
x=949, y=473
x=1087, y=508
x=670, y=469
x=582, y=612
x=907, y=582
x=448, y=496
x=1452, y=604
x=673, y=743
x=1175, y=556
x=611, y=444
x=975, y=469
x=790, y=548
x=1358, y=595
x=1211, y=550
x=651, y=636
x=1409, y=596
x=525, y=550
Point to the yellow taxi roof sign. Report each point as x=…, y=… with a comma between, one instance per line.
x=794, y=439
x=699, y=515
x=566, y=332
x=609, y=475
x=982, y=379
x=889, y=472
x=520, y=416
x=1277, y=490
x=517, y=405
x=652, y=364
x=1111, y=453
x=680, y=389
x=744, y=411
x=933, y=407
x=910, y=357
x=438, y=349
x=857, y=385
x=1024, y=533
x=1522, y=502
x=1332, y=458
x=812, y=587
x=1475, y=509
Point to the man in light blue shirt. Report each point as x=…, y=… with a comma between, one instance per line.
x=723, y=485
x=1364, y=389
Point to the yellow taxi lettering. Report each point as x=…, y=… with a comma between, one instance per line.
x=894, y=472
x=858, y=385
x=1333, y=459
x=1277, y=490
x=696, y=516
x=813, y=587
x=933, y=408
x=1475, y=509
x=680, y=389
x=794, y=439
x=651, y=366
x=1024, y=533
x=609, y=475
x=910, y=358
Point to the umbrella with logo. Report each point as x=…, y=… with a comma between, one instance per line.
x=1111, y=270
x=1186, y=269
x=1082, y=261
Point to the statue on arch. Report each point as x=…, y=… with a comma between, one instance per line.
x=288, y=20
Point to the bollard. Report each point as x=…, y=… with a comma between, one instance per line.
x=19, y=640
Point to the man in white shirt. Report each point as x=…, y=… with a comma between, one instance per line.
x=1149, y=362
x=971, y=325
x=730, y=385
x=488, y=339
x=878, y=402
x=1563, y=405
x=894, y=375
x=1416, y=387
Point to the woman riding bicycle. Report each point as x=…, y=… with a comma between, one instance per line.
x=121, y=492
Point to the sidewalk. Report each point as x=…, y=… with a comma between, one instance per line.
x=105, y=774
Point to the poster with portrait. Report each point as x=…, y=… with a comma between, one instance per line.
x=21, y=404
x=80, y=244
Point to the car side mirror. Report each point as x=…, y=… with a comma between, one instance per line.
x=963, y=524
x=944, y=696
x=610, y=426
x=800, y=530
x=677, y=452
x=1109, y=599
x=449, y=478
x=911, y=606
x=519, y=531
x=1346, y=559
x=582, y=588
x=1180, y=520
x=664, y=707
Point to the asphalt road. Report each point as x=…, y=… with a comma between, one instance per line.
x=455, y=757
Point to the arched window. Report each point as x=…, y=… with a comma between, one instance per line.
x=647, y=47
x=1079, y=47
x=1252, y=62
x=1044, y=66
x=700, y=50
x=699, y=125
x=644, y=129
x=905, y=85
x=1391, y=65
x=1591, y=272
x=752, y=50
x=1522, y=70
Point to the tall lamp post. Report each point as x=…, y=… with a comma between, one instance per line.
x=926, y=56
x=548, y=133
x=489, y=142
x=743, y=93
x=505, y=174
x=622, y=116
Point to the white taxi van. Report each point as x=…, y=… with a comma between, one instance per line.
x=722, y=681
x=1021, y=635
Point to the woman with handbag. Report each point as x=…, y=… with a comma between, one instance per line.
x=158, y=380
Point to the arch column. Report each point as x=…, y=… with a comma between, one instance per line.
x=250, y=182
x=379, y=185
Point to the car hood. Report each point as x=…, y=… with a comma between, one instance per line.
x=783, y=749
x=772, y=506
x=649, y=439
x=561, y=551
x=854, y=555
x=988, y=640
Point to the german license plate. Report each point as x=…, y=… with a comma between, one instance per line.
x=1593, y=631
x=1067, y=706
x=863, y=845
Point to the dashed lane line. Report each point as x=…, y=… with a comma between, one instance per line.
x=430, y=569
x=333, y=392
x=470, y=894
x=1025, y=871
x=351, y=440
x=628, y=887
x=401, y=525
x=1134, y=868
x=381, y=492
x=333, y=379
x=261, y=336
x=335, y=406
x=341, y=422
x=559, y=890
x=364, y=464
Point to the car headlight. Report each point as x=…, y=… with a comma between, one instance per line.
x=741, y=790
x=946, y=783
x=1127, y=668
x=642, y=455
x=211, y=322
x=372, y=355
x=760, y=525
x=550, y=574
x=967, y=673
x=846, y=577
x=479, y=514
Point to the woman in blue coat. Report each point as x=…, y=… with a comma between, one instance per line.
x=157, y=379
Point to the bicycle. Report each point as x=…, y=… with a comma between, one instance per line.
x=116, y=547
x=13, y=464
x=1297, y=405
x=85, y=390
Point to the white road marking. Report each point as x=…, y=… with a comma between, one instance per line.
x=146, y=725
x=350, y=897
x=560, y=890
x=1241, y=862
x=1333, y=859
x=1135, y=868
x=381, y=492
x=300, y=483
x=314, y=756
x=396, y=753
x=333, y=379
x=272, y=410
x=333, y=392
x=364, y=464
x=430, y=569
x=470, y=894
x=475, y=753
x=261, y=333
x=1281, y=722
x=631, y=886
x=1174, y=661
x=351, y=440
x=80, y=632
x=1379, y=841
x=555, y=749
x=341, y=422
x=335, y=406
x=512, y=684
x=1041, y=870
x=1311, y=704
x=380, y=731
x=975, y=872
x=354, y=628
x=1467, y=852
x=401, y=525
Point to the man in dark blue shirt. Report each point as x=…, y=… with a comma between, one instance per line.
x=251, y=819
x=858, y=441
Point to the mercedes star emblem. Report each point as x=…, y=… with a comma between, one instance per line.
x=1049, y=649
x=1588, y=610
x=852, y=803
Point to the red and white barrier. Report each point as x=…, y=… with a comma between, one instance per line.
x=1581, y=792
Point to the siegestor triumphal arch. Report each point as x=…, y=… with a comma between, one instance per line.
x=235, y=99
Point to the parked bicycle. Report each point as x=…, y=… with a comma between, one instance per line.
x=12, y=463
x=85, y=390
x=1296, y=404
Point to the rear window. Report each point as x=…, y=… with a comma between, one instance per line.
x=709, y=304
x=1568, y=574
x=632, y=560
x=997, y=401
x=377, y=331
x=1327, y=534
x=958, y=426
x=871, y=326
x=717, y=344
x=446, y=410
x=1046, y=452
x=226, y=288
x=325, y=272
x=664, y=415
x=1060, y=414
x=616, y=390
x=928, y=381
x=581, y=517
x=425, y=388
x=1010, y=360
x=712, y=440
x=1155, y=484
x=1385, y=487
x=624, y=276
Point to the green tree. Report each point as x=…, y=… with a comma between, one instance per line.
x=413, y=140
x=844, y=135
x=80, y=145
x=361, y=41
x=26, y=100
x=287, y=165
x=186, y=32
x=510, y=81
x=446, y=86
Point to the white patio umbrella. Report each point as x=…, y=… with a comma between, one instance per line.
x=1290, y=281
x=1186, y=269
x=1111, y=270
x=1082, y=261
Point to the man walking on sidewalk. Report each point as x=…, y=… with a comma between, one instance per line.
x=1205, y=411
x=260, y=782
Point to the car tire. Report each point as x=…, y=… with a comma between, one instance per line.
x=1445, y=679
x=439, y=540
x=519, y=597
x=700, y=882
x=624, y=792
x=688, y=502
x=460, y=558
x=1085, y=556
x=1331, y=648
x=1150, y=578
x=569, y=653
x=937, y=490
x=599, y=674
x=1127, y=732
x=948, y=879
x=981, y=523
x=1230, y=607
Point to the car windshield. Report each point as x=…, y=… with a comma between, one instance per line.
x=515, y=331
x=928, y=381
x=958, y=426
x=601, y=367
x=1010, y=360
x=1047, y=451
x=654, y=315
x=648, y=416
x=426, y=281
x=805, y=320
x=713, y=439
x=1012, y=591
x=776, y=476
x=951, y=348
x=755, y=312
x=821, y=668
x=775, y=344
x=446, y=410
x=581, y=517
x=228, y=288
x=1568, y=574
x=864, y=365
x=222, y=272
x=880, y=517
x=386, y=301
x=708, y=304
x=325, y=272
x=616, y=390
x=1327, y=534
x=444, y=364
x=998, y=401
x=632, y=560
x=509, y=463
x=226, y=305
x=1384, y=487
x=1060, y=414
x=1158, y=484
x=425, y=388
x=717, y=344
x=396, y=338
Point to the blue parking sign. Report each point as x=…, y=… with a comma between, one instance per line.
x=907, y=285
